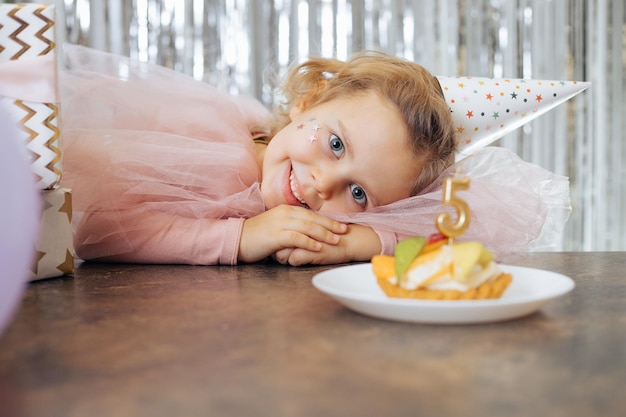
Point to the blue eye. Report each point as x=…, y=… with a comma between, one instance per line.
x=336, y=145
x=358, y=194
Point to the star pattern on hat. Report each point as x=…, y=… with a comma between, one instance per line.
x=485, y=109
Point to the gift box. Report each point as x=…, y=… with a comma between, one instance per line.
x=28, y=84
x=29, y=94
x=55, y=247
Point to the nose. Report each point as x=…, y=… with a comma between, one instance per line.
x=323, y=182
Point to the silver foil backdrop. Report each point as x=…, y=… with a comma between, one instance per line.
x=237, y=43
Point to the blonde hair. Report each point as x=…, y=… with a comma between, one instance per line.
x=414, y=91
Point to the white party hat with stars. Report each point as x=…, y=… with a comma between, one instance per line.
x=485, y=109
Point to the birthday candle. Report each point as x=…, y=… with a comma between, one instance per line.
x=444, y=221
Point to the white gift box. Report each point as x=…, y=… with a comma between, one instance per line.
x=28, y=84
x=55, y=247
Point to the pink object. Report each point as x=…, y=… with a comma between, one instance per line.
x=162, y=167
x=515, y=206
x=19, y=212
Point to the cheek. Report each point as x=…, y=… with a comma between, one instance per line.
x=294, y=143
x=300, y=144
x=306, y=130
x=276, y=148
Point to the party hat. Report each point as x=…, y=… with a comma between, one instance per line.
x=485, y=109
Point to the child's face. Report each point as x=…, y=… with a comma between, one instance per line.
x=342, y=156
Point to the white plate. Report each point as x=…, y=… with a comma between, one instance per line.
x=355, y=287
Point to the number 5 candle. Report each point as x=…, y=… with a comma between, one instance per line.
x=444, y=221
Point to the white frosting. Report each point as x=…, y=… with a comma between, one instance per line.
x=476, y=276
x=415, y=277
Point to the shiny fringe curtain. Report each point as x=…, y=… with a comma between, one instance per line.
x=235, y=44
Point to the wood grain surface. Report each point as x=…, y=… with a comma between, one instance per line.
x=259, y=340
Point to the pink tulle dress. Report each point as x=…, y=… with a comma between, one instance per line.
x=163, y=169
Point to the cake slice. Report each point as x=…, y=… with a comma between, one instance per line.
x=442, y=270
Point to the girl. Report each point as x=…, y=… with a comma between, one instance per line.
x=165, y=169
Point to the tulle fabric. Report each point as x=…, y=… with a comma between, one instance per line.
x=141, y=140
x=515, y=206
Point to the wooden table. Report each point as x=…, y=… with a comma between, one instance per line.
x=260, y=340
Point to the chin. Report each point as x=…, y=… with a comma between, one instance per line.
x=270, y=200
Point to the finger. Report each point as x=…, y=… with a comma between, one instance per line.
x=282, y=256
x=330, y=224
x=298, y=257
x=321, y=234
x=291, y=239
x=295, y=257
x=311, y=229
x=318, y=218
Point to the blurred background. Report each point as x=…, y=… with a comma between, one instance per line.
x=237, y=44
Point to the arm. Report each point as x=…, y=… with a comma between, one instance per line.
x=154, y=237
x=359, y=243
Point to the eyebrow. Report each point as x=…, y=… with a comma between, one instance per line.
x=346, y=138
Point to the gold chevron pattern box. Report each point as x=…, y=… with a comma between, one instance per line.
x=28, y=85
x=29, y=91
x=55, y=253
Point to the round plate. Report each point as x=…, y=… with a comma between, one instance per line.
x=355, y=287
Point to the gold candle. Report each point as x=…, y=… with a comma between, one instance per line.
x=444, y=220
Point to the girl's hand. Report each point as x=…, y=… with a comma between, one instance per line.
x=287, y=227
x=360, y=243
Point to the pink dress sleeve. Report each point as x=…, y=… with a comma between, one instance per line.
x=158, y=238
x=162, y=168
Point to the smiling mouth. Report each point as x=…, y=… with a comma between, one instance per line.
x=294, y=191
